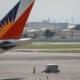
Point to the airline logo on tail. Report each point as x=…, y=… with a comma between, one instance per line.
x=12, y=25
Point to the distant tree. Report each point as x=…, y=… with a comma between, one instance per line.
x=48, y=33
x=25, y=35
x=77, y=27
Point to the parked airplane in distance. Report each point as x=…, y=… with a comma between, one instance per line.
x=13, y=23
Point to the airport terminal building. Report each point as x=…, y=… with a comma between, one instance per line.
x=47, y=25
x=36, y=31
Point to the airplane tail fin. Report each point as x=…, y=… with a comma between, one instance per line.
x=12, y=25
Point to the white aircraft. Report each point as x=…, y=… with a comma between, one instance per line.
x=13, y=23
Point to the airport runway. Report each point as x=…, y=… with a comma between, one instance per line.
x=20, y=65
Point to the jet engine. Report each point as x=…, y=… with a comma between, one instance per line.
x=7, y=45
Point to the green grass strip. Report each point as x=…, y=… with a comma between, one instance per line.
x=62, y=46
x=60, y=51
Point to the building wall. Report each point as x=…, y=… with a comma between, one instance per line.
x=47, y=25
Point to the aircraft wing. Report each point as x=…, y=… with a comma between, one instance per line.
x=22, y=43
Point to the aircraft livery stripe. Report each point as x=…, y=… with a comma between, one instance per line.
x=8, y=20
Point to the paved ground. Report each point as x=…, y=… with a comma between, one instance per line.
x=20, y=65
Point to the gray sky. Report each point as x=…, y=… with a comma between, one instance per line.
x=59, y=9
x=6, y=6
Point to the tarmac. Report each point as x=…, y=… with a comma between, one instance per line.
x=16, y=65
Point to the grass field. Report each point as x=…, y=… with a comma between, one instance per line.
x=52, y=46
x=55, y=48
x=60, y=51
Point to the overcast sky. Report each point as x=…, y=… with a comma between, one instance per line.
x=59, y=10
x=56, y=9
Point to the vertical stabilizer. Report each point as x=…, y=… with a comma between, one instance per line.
x=16, y=20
